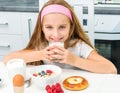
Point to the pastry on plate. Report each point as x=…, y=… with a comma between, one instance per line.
x=75, y=83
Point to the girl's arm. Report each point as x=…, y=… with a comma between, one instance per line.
x=95, y=63
x=26, y=55
x=30, y=55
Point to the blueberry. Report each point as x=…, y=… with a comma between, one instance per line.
x=43, y=73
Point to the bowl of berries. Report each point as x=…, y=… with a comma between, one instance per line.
x=44, y=75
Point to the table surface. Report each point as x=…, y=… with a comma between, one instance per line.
x=98, y=83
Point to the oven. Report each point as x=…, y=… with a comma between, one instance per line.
x=107, y=37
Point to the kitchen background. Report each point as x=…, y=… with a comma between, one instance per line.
x=18, y=18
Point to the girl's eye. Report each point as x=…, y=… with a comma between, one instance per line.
x=62, y=27
x=49, y=27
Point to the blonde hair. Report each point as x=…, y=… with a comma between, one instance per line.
x=38, y=40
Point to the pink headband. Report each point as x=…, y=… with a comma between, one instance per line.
x=56, y=8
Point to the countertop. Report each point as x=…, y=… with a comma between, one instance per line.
x=98, y=83
x=33, y=6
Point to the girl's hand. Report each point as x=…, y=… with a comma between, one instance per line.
x=62, y=55
x=46, y=53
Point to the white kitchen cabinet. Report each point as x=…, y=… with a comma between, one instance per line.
x=9, y=43
x=10, y=32
x=10, y=23
x=28, y=24
x=15, y=31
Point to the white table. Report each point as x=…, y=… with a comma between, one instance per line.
x=98, y=83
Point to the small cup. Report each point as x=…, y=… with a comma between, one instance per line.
x=17, y=71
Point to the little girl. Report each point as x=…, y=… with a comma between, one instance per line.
x=57, y=22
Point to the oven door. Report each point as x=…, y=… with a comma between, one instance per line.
x=110, y=49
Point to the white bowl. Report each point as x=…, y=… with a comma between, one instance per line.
x=40, y=81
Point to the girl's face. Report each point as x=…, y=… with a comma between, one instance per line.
x=56, y=27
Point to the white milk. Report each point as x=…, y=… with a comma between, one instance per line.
x=16, y=66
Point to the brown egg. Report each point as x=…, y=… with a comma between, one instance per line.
x=18, y=80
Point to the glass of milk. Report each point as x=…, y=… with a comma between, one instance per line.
x=61, y=44
x=17, y=71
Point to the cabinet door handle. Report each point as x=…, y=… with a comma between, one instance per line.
x=4, y=23
x=29, y=27
x=5, y=46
